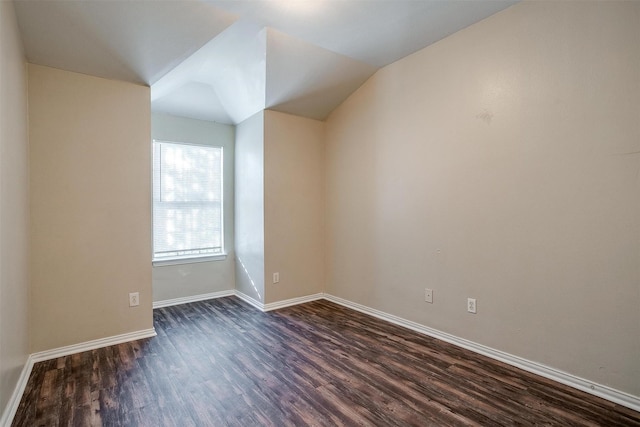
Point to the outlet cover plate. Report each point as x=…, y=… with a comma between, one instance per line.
x=471, y=305
x=428, y=295
x=134, y=299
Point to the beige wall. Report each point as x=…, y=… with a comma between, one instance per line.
x=293, y=205
x=249, y=207
x=501, y=164
x=184, y=280
x=279, y=206
x=90, y=182
x=14, y=207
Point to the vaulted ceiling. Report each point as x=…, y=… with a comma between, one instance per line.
x=225, y=60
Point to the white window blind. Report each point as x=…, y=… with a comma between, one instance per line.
x=187, y=201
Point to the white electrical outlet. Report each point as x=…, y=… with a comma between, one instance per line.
x=134, y=299
x=276, y=277
x=428, y=295
x=471, y=305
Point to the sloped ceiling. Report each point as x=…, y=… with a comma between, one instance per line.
x=230, y=72
x=248, y=68
x=136, y=41
x=224, y=60
x=307, y=80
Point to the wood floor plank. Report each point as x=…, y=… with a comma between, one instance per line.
x=223, y=363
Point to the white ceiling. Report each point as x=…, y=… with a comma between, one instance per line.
x=224, y=60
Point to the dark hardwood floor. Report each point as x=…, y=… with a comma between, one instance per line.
x=222, y=362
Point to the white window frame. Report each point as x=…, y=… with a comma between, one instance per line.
x=195, y=258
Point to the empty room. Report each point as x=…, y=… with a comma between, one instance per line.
x=319, y=212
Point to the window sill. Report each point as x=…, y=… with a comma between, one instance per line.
x=178, y=261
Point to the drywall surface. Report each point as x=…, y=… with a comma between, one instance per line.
x=14, y=206
x=293, y=205
x=184, y=280
x=501, y=163
x=249, y=207
x=90, y=183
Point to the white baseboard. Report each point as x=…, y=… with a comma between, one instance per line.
x=250, y=300
x=16, y=396
x=278, y=304
x=41, y=356
x=603, y=391
x=293, y=301
x=193, y=298
x=185, y=300
x=92, y=345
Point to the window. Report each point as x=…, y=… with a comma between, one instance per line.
x=187, y=202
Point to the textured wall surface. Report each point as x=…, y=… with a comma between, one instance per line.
x=90, y=185
x=14, y=206
x=249, y=207
x=501, y=163
x=294, y=206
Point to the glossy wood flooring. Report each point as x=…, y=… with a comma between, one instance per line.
x=222, y=362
